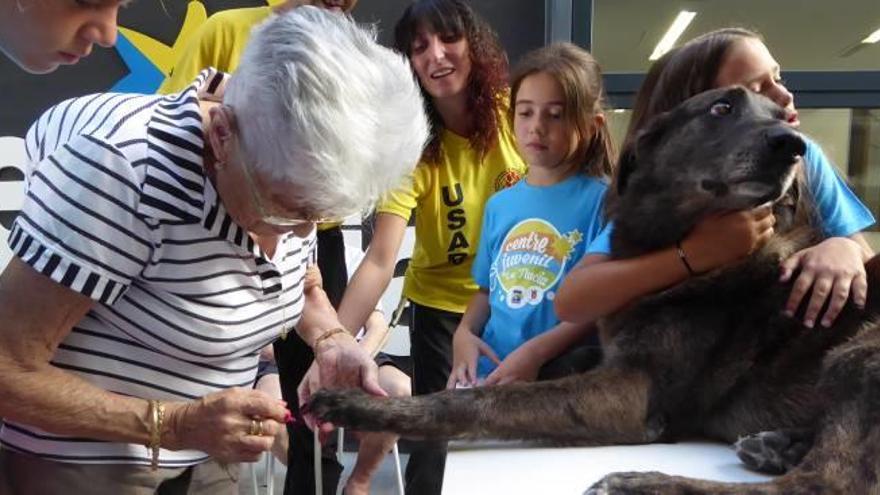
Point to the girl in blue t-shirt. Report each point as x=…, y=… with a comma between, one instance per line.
x=825, y=275
x=535, y=231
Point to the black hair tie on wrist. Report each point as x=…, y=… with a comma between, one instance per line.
x=683, y=257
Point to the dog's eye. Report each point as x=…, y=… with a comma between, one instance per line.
x=721, y=108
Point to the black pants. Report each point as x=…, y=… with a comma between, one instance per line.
x=430, y=335
x=294, y=357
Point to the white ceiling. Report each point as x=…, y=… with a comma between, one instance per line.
x=801, y=34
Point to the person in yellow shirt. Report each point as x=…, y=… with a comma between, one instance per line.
x=219, y=43
x=471, y=154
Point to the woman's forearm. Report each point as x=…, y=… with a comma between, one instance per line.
x=375, y=332
x=61, y=403
x=34, y=392
x=318, y=315
x=363, y=293
x=374, y=273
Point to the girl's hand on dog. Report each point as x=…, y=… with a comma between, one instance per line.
x=466, y=350
x=834, y=269
x=721, y=239
x=521, y=365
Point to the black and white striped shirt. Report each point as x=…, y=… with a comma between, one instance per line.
x=118, y=208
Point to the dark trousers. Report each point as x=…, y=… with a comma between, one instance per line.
x=294, y=357
x=430, y=335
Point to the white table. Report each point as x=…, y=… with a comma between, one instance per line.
x=513, y=468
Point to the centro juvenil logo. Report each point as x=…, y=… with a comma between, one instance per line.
x=531, y=261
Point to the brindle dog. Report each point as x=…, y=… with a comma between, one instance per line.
x=713, y=356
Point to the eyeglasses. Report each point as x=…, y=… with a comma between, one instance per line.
x=267, y=217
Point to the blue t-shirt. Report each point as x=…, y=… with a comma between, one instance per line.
x=840, y=210
x=532, y=236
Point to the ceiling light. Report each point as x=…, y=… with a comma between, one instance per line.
x=678, y=26
x=873, y=37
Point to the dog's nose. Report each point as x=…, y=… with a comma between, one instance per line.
x=785, y=140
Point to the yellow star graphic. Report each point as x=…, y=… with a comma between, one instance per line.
x=160, y=54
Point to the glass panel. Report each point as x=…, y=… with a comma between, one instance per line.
x=864, y=163
x=802, y=34
x=851, y=140
x=618, y=121
x=830, y=127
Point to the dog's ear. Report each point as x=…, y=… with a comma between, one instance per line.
x=629, y=156
x=647, y=139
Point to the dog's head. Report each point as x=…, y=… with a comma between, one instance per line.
x=722, y=150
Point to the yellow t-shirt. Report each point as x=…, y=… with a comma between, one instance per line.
x=218, y=43
x=448, y=199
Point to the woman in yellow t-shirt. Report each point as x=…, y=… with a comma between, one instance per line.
x=471, y=154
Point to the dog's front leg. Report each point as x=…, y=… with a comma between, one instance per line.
x=603, y=406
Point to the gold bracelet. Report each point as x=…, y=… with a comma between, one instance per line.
x=327, y=334
x=156, y=414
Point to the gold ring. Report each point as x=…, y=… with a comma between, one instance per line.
x=256, y=428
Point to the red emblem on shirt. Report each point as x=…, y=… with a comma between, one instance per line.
x=506, y=179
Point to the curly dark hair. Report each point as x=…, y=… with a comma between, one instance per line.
x=487, y=86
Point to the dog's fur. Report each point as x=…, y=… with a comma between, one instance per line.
x=713, y=356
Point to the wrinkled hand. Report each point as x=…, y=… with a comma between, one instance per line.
x=219, y=424
x=722, y=239
x=833, y=269
x=339, y=363
x=466, y=350
x=521, y=365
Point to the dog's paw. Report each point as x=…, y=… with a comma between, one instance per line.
x=348, y=407
x=629, y=483
x=774, y=452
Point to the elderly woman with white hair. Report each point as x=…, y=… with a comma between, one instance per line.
x=165, y=240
